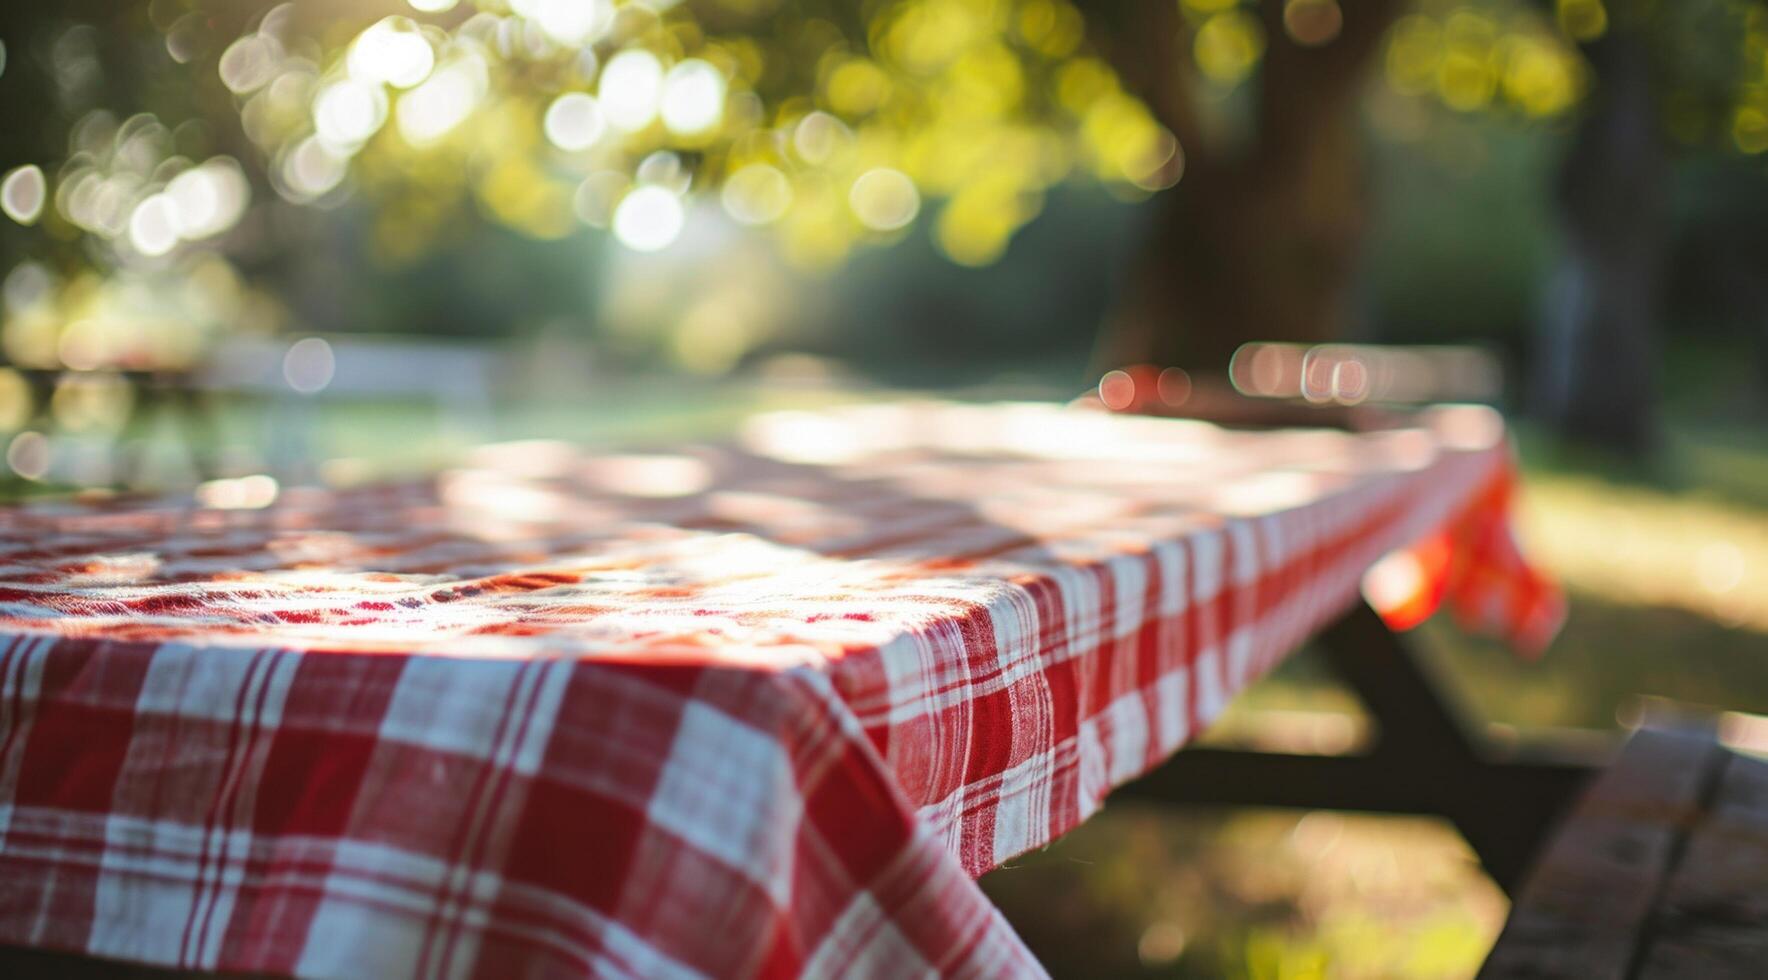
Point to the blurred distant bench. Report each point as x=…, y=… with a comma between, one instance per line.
x=456, y=378
x=454, y=375
x=1660, y=870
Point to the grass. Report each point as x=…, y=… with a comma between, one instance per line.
x=1208, y=893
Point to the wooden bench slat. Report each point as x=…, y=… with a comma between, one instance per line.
x=1582, y=910
x=1713, y=920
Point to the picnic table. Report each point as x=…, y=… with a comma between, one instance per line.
x=760, y=707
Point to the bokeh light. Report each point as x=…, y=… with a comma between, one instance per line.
x=693, y=97
x=884, y=199
x=347, y=112
x=392, y=52
x=433, y=109
x=308, y=365
x=649, y=219
x=574, y=121
x=22, y=193
x=311, y=169
x=757, y=194
x=1312, y=23
x=631, y=85
x=28, y=455
x=153, y=225
x=567, y=22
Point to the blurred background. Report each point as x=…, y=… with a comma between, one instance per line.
x=333, y=239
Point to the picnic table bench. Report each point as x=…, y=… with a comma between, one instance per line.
x=1660, y=871
x=759, y=708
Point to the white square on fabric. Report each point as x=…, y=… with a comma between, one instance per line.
x=632, y=956
x=205, y=682
x=372, y=921
x=1081, y=605
x=355, y=939
x=1206, y=552
x=459, y=706
x=143, y=902
x=1129, y=576
x=1174, y=588
x=728, y=790
x=1016, y=809
x=1240, y=654
x=1274, y=549
x=1090, y=764
x=1127, y=718
x=1211, y=699
x=1016, y=621
x=904, y=659
x=1246, y=553
x=1169, y=707
x=863, y=942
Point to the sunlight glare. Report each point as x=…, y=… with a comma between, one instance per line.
x=693, y=98
x=649, y=219
x=243, y=493
x=574, y=122
x=153, y=225
x=347, y=112
x=209, y=199
x=311, y=169
x=392, y=52
x=629, y=90
x=569, y=22
x=432, y=110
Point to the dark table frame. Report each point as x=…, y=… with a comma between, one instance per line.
x=1424, y=761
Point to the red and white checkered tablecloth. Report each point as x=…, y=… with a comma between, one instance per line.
x=761, y=708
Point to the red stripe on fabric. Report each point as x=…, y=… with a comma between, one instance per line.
x=79, y=737
x=1325, y=553
x=233, y=794
x=495, y=803
x=71, y=759
x=854, y=810
x=574, y=842
x=50, y=875
x=459, y=841
x=16, y=721
x=232, y=743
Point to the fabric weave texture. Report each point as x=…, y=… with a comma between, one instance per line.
x=755, y=708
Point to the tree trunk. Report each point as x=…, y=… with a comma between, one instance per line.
x=1265, y=253
x=1261, y=244
x=1596, y=369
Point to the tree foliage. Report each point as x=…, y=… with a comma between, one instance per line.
x=165, y=136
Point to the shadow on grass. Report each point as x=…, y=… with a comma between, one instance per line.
x=1137, y=892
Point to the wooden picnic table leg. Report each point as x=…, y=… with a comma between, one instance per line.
x=1423, y=762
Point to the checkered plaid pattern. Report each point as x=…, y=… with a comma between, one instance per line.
x=750, y=709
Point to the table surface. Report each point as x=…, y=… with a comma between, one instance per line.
x=760, y=707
